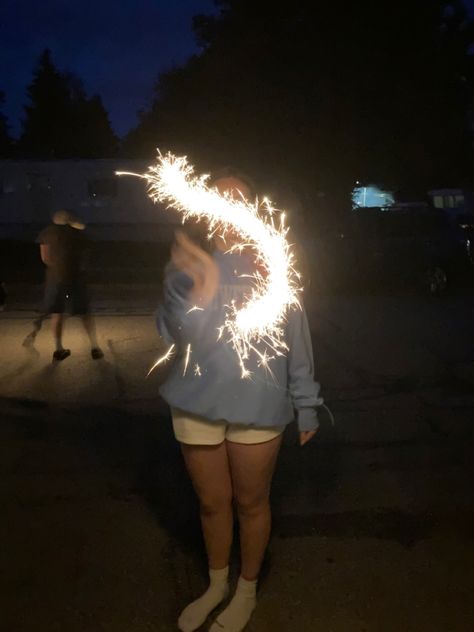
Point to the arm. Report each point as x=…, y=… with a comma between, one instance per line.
x=178, y=319
x=304, y=390
x=172, y=312
x=199, y=266
x=190, y=285
x=45, y=254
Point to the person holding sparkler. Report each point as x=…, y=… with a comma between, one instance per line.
x=230, y=422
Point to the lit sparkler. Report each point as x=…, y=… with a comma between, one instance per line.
x=275, y=287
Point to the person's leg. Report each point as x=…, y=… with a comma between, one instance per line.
x=54, y=304
x=57, y=328
x=89, y=325
x=29, y=340
x=57, y=320
x=80, y=307
x=252, y=468
x=208, y=468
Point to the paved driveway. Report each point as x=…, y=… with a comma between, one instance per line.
x=373, y=521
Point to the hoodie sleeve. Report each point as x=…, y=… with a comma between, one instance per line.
x=176, y=319
x=304, y=390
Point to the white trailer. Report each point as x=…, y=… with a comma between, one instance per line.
x=114, y=208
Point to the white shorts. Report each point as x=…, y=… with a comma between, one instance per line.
x=196, y=430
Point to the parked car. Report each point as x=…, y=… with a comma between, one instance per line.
x=410, y=245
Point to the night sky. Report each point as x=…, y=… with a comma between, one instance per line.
x=117, y=47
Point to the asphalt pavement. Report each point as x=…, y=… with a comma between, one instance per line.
x=373, y=520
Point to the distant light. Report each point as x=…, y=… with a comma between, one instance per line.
x=371, y=196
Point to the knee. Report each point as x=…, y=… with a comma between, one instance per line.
x=215, y=504
x=252, y=504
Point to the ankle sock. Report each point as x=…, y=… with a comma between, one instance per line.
x=237, y=614
x=194, y=615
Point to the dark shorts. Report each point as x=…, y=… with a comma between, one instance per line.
x=71, y=298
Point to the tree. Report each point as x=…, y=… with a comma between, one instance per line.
x=91, y=135
x=320, y=94
x=97, y=136
x=47, y=125
x=5, y=139
x=61, y=121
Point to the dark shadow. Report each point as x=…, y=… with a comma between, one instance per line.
x=142, y=447
x=120, y=381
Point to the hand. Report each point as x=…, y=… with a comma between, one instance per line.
x=199, y=266
x=307, y=436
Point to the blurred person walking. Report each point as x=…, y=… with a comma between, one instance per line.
x=63, y=247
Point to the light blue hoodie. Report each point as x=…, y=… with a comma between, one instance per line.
x=212, y=385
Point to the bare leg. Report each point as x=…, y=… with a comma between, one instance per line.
x=57, y=326
x=252, y=468
x=89, y=326
x=57, y=321
x=29, y=341
x=208, y=468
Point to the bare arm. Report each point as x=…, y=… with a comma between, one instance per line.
x=45, y=254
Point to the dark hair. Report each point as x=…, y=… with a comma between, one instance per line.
x=232, y=172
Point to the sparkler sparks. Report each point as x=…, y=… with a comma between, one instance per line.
x=186, y=359
x=163, y=358
x=275, y=286
x=195, y=308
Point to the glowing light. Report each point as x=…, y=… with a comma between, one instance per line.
x=163, y=358
x=195, y=308
x=274, y=287
x=371, y=196
x=186, y=359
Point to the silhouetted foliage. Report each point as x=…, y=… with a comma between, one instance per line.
x=61, y=121
x=319, y=94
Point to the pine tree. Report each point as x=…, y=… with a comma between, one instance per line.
x=61, y=121
x=95, y=137
x=48, y=122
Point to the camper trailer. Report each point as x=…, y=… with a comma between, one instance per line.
x=114, y=208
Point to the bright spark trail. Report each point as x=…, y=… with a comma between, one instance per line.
x=275, y=287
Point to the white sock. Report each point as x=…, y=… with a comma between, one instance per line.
x=237, y=614
x=194, y=615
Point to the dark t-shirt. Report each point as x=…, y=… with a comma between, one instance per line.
x=67, y=249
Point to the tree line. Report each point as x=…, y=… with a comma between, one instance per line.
x=60, y=120
x=312, y=93
x=321, y=94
